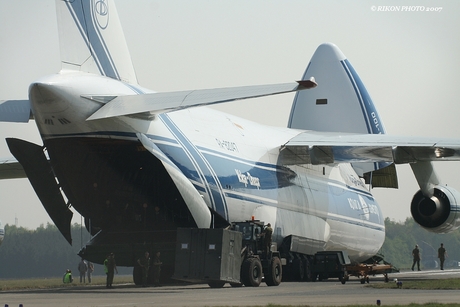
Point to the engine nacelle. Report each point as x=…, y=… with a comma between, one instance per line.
x=439, y=213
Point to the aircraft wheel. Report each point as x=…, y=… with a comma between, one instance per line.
x=297, y=269
x=307, y=268
x=274, y=274
x=252, y=272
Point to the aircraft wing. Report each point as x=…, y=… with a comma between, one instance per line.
x=17, y=111
x=10, y=168
x=327, y=147
x=171, y=101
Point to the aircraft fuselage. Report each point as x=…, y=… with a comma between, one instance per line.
x=234, y=164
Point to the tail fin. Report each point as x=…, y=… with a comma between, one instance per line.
x=340, y=102
x=92, y=40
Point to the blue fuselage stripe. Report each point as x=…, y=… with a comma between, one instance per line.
x=202, y=167
x=89, y=31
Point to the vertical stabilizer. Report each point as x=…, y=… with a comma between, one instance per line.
x=92, y=40
x=340, y=102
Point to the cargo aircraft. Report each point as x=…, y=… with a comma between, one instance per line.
x=138, y=164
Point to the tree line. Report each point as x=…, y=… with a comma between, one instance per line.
x=401, y=238
x=44, y=252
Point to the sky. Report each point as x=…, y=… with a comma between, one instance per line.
x=406, y=53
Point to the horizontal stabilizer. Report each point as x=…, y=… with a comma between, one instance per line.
x=172, y=101
x=327, y=148
x=15, y=111
x=11, y=169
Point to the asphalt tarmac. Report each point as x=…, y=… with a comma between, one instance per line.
x=326, y=293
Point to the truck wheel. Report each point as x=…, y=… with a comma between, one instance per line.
x=251, y=272
x=274, y=274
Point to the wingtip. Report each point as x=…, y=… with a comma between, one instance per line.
x=307, y=84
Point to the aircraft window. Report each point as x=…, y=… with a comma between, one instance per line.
x=246, y=233
x=256, y=232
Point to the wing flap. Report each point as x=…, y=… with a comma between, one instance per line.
x=10, y=168
x=327, y=148
x=15, y=111
x=171, y=101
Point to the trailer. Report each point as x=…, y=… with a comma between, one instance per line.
x=363, y=271
x=330, y=264
x=234, y=255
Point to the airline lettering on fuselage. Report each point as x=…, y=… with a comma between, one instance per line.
x=355, y=181
x=360, y=204
x=247, y=179
x=230, y=146
x=376, y=121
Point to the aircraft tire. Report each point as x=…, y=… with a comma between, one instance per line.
x=274, y=274
x=307, y=269
x=298, y=269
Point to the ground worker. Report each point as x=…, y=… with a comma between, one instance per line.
x=267, y=234
x=416, y=257
x=144, y=262
x=442, y=254
x=67, y=278
x=110, y=267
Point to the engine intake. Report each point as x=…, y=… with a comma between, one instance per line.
x=439, y=213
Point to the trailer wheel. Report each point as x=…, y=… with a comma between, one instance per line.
x=275, y=273
x=251, y=272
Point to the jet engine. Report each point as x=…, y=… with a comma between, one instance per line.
x=439, y=213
